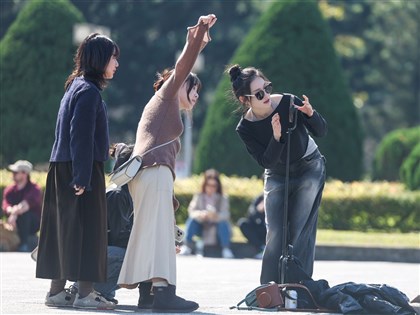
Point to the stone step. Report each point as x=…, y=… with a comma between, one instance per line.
x=326, y=252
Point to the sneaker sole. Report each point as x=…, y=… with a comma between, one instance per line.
x=56, y=305
x=144, y=307
x=95, y=308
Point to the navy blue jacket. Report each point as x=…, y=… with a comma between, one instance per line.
x=81, y=134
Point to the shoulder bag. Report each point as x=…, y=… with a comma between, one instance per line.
x=126, y=172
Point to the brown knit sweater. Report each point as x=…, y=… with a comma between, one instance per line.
x=161, y=120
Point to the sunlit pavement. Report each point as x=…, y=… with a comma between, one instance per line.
x=215, y=283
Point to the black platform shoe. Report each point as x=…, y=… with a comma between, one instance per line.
x=146, y=298
x=166, y=301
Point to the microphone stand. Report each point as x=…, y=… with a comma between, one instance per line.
x=287, y=249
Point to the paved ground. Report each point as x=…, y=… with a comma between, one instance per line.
x=214, y=283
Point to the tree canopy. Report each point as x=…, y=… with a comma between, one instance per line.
x=36, y=57
x=292, y=45
x=377, y=44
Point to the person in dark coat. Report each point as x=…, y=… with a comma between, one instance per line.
x=253, y=226
x=73, y=235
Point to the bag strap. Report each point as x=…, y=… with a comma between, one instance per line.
x=252, y=308
x=158, y=146
x=300, y=286
x=148, y=151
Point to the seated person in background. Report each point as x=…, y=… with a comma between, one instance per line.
x=209, y=209
x=22, y=204
x=253, y=226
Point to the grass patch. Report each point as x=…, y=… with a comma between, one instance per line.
x=368, y=239
x=357, y=239
x=351, y=238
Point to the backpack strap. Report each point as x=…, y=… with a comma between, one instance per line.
x=253, y=308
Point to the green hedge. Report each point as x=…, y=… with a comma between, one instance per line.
x=358, y=206
x=359, y=212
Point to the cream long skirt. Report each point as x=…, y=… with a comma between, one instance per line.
x=151, y=247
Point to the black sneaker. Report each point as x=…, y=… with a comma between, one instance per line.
x=115, y=301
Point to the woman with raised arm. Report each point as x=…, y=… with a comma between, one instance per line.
x=263, y=129
x=150, y=257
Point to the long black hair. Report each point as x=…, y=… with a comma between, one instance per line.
x=91, y=59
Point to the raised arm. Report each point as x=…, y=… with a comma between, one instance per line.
x=197, y=38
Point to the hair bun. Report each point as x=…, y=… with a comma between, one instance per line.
x=234, y=72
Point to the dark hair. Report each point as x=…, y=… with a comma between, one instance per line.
x=91, y=59
x=192, y=80
x=212, y=174
x=241, y=79
x=121, y=152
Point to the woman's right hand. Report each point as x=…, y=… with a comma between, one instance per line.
x=79, y=190
x=208, y=19
x=275, y=123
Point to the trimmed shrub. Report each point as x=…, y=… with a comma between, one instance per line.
x=292, y=45
x=410, y=169
x=36, y=57
x=363, y=206
x=392, y=151
x=357, y=206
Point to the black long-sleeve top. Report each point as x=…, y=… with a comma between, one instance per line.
x=271, y=154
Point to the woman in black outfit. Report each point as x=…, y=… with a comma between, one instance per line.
x=263, y=128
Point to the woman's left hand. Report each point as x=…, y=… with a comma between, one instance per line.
x=208, y=19
x=306, y=108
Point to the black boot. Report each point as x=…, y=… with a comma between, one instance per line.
x=145, y=298
x=166, y=301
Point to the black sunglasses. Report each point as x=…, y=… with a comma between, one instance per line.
x=261, y=93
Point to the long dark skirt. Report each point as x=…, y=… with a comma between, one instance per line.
x=73, y=235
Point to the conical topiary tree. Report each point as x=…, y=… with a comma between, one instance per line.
x=293, y=46
x=35, y=57
x=392, y=151
x=410, y=169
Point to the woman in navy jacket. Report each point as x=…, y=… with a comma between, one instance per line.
x=73, y=237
